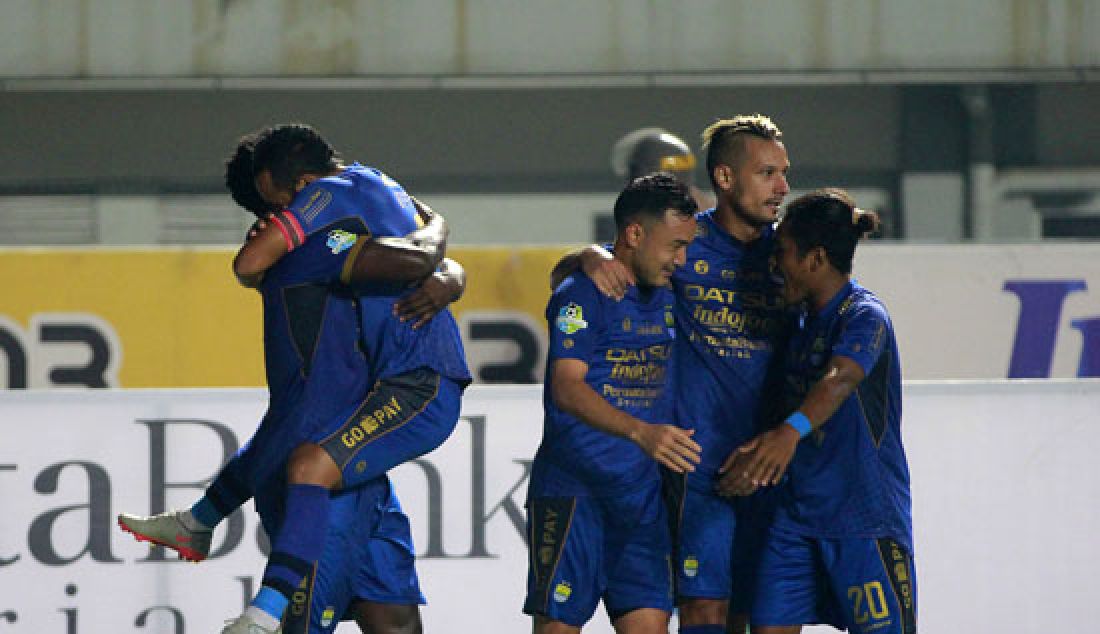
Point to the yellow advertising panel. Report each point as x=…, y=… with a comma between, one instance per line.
x=175, y=317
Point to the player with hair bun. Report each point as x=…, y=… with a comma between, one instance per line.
x=841, y=545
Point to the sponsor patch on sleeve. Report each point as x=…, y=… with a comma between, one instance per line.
x=340, y=241
x=571, y=318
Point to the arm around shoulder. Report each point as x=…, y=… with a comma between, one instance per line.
x=259, y=254
x=409, y=258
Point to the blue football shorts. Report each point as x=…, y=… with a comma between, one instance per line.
x=864, y=584
x=716, y=541
x=369, y=556
x=584, y=549
x=402, y=418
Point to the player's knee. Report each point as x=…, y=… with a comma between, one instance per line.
x=642, y=621
x=544, y=625
x=309, y=464
x=398, y=619
x=703, y=612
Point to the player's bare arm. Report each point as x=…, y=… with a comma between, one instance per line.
x=407, y=259
x=764, y=459
x=667, y=444
x=410, y=258
x=439, y=289
x=263, y=247
x=609, y=274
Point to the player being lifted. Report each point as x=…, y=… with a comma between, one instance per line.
x=596, y=522
x=842, y=540
x=730, y=318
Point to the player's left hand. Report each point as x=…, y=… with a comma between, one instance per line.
x=767, y=456
x=425, y=302
x=732, y=480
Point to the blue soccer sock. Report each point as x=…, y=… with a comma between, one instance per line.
x=206, y=513
x=225, y=494
x=271, y=601
x=703, y=629
x=300, y=541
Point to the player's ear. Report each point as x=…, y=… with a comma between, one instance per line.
x=634, y=234
x=723, y=176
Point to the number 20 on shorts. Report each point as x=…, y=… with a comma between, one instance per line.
x=868, y=601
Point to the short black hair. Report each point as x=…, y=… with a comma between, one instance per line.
x=240, y=179
x=291, y=150
x=828, y=218
x=650, y=196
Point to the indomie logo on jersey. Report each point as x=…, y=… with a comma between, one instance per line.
x=340, y=241
x=571, y=318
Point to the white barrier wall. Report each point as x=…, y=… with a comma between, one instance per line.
x=989, y=311
x=1004, y=480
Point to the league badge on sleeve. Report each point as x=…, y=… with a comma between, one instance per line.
x=340, y=241
x=571, y=318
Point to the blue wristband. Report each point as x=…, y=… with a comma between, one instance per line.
x=800, y=423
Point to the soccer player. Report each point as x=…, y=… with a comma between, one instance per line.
x=842, y=535
x=597, y=526
x=419, y=373
x=730, y=316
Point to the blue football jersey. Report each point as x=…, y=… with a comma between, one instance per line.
x=310, y=331
x=324, y=209
x=730, y=316
x=850, y=477
x=626, y=345
x=312, y=360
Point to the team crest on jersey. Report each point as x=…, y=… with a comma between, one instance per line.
x=571, y=318
x=702, y=267
x=626, y=324
x=328, y=616
x=562, y=591
x=691, y=566
x=339, y=240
